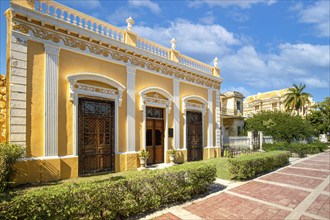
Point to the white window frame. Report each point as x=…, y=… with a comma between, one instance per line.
x=77, y=90
x=192, y=106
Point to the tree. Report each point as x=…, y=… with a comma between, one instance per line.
x=319, y=117
x=296, y=98
x=281, y=126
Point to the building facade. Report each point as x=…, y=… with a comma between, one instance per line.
x=272, y=100
x=232, y=120
x=84, y=96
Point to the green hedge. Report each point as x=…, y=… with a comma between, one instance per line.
x=300, y=149
x=116, y=197
x=9, y=153
x=248, y=166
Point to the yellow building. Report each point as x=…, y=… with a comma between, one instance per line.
x=272, y=100
x=85, y=96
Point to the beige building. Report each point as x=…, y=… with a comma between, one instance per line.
x=272, y=100
x=232, y=120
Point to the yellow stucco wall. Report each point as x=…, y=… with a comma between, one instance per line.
x=187, y=90
x=144, y=80
x=35, y=100
x=71, y=63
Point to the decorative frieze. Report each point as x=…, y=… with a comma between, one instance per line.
x=118, y=55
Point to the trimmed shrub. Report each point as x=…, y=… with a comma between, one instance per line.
x=116, y=197
x=9, y=153
x=297, y=148
x=248, y=166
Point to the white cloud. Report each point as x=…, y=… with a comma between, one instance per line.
x=87, y=4
x=208, y=18
x=292, y=63
x=200, y=41
x=154, y=7
x=317, y=14
x=240, y=89
x=243, y=4
x=119, y=16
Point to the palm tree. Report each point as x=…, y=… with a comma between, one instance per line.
x=296, y=98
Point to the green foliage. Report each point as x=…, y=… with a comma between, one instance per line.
x=116, y=197
x=297, y=148
x=296, y=98
x=144, y=153
x=280, y=125
x=319, y=118
x=248, y=166
x=9, y=153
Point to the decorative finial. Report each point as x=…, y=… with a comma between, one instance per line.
x=130, y=23
x=216, y=62
x=173, y=45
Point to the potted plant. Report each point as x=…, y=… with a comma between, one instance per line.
x=143, y=155
x=172, y=154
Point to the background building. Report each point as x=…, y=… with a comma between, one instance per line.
x=272, y=100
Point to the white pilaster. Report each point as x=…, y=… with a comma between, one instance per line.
x=210, y=115
x=217, y=119
x=176, y=93
x=51, y=101
x=17, y=102
x=130, y=129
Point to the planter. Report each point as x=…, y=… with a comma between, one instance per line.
x=143, y=162
x=172, y=157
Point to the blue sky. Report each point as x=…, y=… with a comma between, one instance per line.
x=262, y=45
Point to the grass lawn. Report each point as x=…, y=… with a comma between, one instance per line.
x=222, y=167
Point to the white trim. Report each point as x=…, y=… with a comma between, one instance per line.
x=155, y=102
x=186, y=105
x=51, y=101
x=76, y=90
x=46, y=158
x=210, y=122
x=130, y=126
x=176, y=110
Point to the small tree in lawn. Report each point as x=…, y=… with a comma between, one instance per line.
x=296, y=98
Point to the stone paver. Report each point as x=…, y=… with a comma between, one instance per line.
x=226, y=206
x=313, y=166
x=305, y=172
x=293, y=180
x=272, y=193
x=298, y=191
x=321, y=206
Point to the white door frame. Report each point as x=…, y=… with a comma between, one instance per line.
x=159, y=103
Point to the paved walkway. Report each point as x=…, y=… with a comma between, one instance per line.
x=298, y=191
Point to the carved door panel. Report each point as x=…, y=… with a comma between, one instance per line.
x=194, y=126
x=155, y=135
x=95, y=136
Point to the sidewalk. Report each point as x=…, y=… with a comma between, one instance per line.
x=298, y=191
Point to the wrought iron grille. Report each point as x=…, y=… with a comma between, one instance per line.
x=154, y=112
x=194, y=128
x=96, y=131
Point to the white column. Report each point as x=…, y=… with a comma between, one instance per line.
x=166, y=134
x=250, y=136
x=218, y=119
x=176, y=93
x=17, y=101
x=210, y=114
x=130, y=129
x=51, y=101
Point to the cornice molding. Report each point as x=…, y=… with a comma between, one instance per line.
x=125, y=57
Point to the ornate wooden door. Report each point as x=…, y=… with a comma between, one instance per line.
x=96, y=136
x=194, y=126
x=155, y=135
